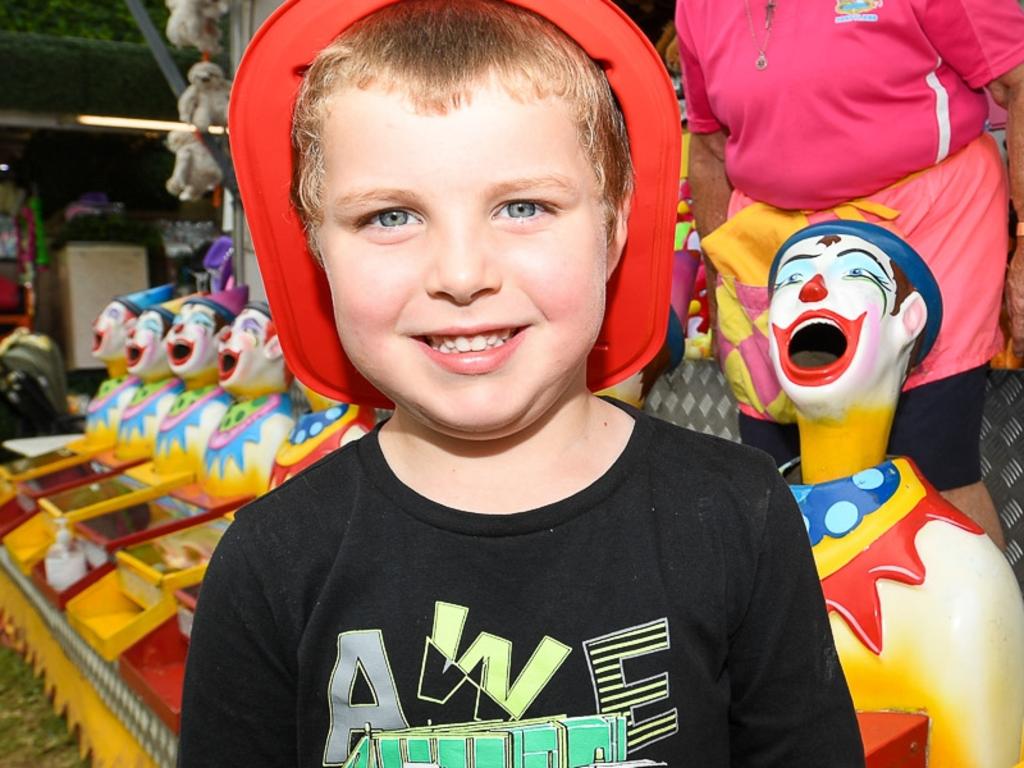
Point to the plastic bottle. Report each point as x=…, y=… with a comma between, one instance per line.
x=65, y=560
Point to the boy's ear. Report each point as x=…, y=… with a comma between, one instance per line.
x=617, y=241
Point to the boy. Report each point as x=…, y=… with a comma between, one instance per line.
x=510, y=571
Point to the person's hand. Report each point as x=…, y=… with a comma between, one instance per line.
x=1015, y=298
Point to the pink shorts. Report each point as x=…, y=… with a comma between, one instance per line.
x=955, y=216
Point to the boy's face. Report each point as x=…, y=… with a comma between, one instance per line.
x=467, y=255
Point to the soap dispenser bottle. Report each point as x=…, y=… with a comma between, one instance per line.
x=65, y=560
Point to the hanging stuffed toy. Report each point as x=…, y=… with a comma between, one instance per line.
x=195, y=170
x=205, y=101
x=193, y=24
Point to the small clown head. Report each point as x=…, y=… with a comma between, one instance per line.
x=250, y=362
x=192, y=344
x=145, y=346
x=848, y=302
x=110, y=328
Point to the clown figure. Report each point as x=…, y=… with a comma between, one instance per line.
x=241, y=451
x=146, y=352
x=110, y=333
x=330, y=425
x=925, y=610
x=192, y=349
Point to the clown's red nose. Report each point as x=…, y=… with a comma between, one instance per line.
x=814, y=290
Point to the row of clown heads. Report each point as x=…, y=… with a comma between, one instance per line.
x=200, y=383
x=926, y=612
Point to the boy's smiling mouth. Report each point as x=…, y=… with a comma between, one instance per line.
x=479, y=342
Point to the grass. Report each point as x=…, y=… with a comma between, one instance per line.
x=31, y=735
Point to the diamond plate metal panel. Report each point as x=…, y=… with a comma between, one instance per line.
x=696, y=395
x=1002, y=452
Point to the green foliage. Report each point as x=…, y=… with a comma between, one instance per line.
x=107, y=229
x=70, y=75
x=30, y=733
x=93, y=19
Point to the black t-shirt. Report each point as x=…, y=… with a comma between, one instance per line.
x=668, y=614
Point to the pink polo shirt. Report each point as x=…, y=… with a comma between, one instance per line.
x=857, y=94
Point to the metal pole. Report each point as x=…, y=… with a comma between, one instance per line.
x=157, y=47
x=217, y=146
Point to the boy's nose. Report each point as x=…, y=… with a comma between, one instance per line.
x=814, y=290
x=461, y=269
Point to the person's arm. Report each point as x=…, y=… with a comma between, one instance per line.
x=708, y=180
x=238, y=706
x=711, y=191
x=1008, y=92
x=791, y=707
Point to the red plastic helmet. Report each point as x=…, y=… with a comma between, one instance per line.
x=262, y=101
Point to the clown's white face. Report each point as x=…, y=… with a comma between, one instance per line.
x=110, y=331
x=837, y=338
x=192, y=342
x=147, y=357
x=250, y=362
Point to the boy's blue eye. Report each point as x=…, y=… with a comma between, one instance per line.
x=522, y=210
x=392, y=218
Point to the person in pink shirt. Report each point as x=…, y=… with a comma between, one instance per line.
x=872, y=110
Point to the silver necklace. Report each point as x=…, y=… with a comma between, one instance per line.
x=769, y=13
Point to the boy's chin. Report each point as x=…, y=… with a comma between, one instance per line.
x=476, y=422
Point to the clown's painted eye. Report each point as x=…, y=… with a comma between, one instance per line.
x=200, y=319
x=859, y=265
x=793, y=273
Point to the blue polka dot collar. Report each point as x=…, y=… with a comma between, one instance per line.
x=310, y=425
x=837, y=507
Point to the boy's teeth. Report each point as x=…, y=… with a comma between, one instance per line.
x=478, y=343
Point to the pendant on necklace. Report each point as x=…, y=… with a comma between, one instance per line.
x=762, y=61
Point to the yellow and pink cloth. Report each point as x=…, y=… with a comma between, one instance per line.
x=953, y=214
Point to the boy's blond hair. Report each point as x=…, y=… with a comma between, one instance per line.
x=435, y=52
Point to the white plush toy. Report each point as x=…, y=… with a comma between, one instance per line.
x=193, y=23
x=205, y=101
x=195, y=170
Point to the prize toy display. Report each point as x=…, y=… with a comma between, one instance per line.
x=165, y=545
x=124, y=553
x=115, y=511
x=925, y=610
x=93, y=456
x=151, y=400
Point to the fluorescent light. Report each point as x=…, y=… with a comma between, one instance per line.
x=138, y=124
x=4, y=167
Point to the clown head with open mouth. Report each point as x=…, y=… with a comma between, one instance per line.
x=192, y=344
x=111, y=327
x=853, y=306
x=250, y=362
x=145, y=346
